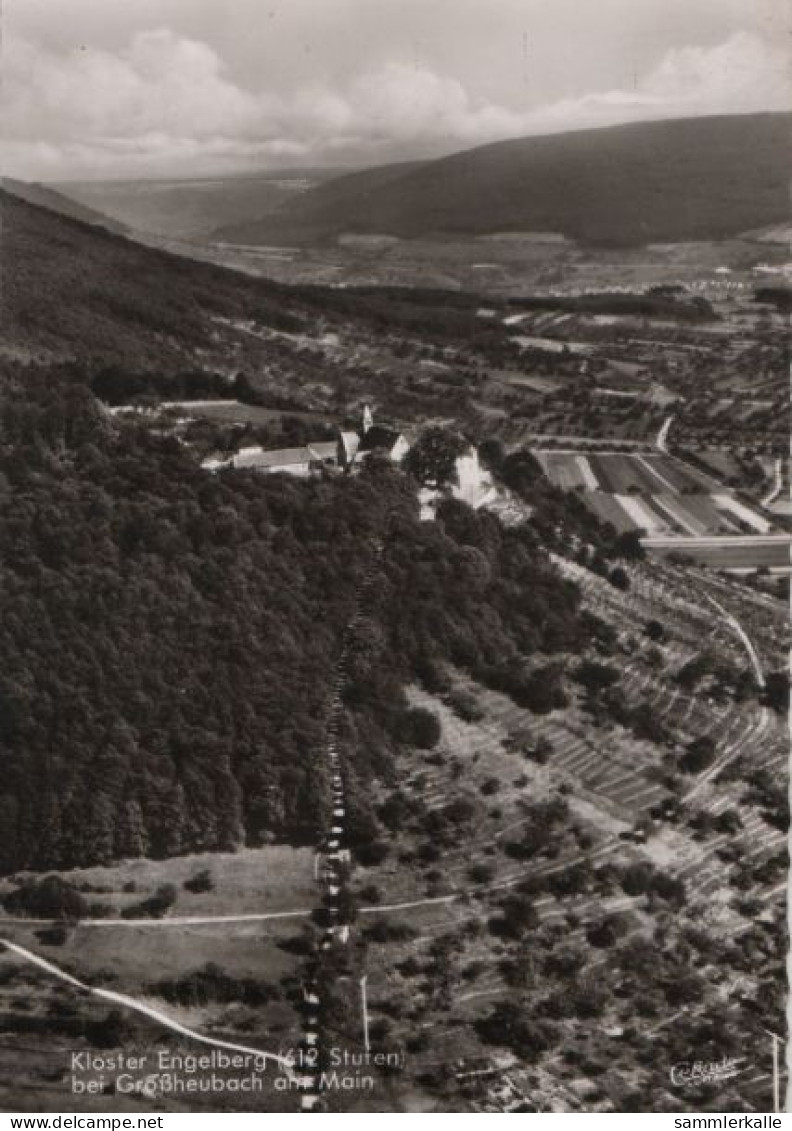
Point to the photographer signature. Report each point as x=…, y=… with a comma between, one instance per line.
x=691, y=1073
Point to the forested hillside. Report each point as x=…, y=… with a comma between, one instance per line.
x=70, y=289
x=167, y=636
x=689, y=179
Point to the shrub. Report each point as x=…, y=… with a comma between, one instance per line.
x=371, y=854
x=601, y=935
x=50, y=898
x=382, y=931
x=512, y=1026
x=155, y=906
x=410, y=968
x=370, y=894
x=700, y=754
x=465, y=706
x=210, y=983
x=111, y=1033
x=619, y=579
x=480, y=873
x=200, y=882
x=53, y=936
x=595, y=677
x=420, y=728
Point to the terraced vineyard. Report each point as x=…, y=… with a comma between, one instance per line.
x=715, y=832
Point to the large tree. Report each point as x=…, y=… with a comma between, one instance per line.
x=432, y=458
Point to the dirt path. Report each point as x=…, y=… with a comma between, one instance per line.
x=140, y=1007
x=662, y=436
x=188, y=920
x=778, y=485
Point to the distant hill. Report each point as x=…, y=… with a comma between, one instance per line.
x=46, y=197
x=672, y=181
x=191, y=209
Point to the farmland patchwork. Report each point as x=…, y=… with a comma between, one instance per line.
x=655, y=493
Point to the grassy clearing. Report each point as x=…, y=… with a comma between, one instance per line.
x=245, y=414
x=253, y=881
x=130, y=958
x=37, y=1009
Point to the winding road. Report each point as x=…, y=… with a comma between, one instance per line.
x=661, y=443
x=745, y=639
x=759, y=726
x=778, y=485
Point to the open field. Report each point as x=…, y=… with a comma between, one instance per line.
x=238, y=413
x=252, y=881
x=129, y=958
x=728, y=553
x=677, y=507
x=220, y=412
x=619, y=473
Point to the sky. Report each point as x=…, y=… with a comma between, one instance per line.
x=97, y=89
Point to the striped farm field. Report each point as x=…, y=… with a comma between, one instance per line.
x=624, y=474
x=646, y=473
x=707, y=510
x=609, y=509
x=644, y=516
x=620, y=473
x=681, y=517
x=567, y=470
x=691, y=516
x=744, y=515
x=652, y=492
x=681, y=476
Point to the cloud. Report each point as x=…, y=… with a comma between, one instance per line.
x=745, y=72
x=160, y=83
x=165, y=104
x=168, y=100
x=741, y=75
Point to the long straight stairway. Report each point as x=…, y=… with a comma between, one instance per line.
x=336, y=861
